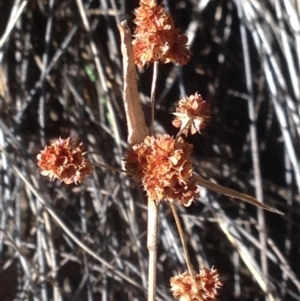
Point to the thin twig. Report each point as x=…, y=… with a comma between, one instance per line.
x=184, y=245
x=109, y=167
x=152, y=97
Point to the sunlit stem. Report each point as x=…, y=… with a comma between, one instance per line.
x=152, y=97
x=152, y=248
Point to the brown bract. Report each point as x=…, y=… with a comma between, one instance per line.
x=207, y=282
x=64, y=160
x=164, y=167
x=192, y=114
x=155, y=38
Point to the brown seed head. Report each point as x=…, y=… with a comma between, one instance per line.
x=64, y=160
x=192, y=114
x=163, y=165
x=207, y=282
x=155, y=38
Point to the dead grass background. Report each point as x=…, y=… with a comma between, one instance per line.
x=60, y=75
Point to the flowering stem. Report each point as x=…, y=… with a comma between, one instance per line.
x=152, y=248
x=184, y=245
x=152, y=97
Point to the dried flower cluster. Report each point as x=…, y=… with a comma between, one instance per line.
x=192, y=114
x=64, y=160
x=163, y=165
x=156, y=38
x=207, y=285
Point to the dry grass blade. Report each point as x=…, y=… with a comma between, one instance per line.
x=235, y=239
x=68, y=231
x=16, y=13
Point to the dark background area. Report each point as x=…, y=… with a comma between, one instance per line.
x=60, y=77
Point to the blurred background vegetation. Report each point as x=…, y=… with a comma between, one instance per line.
x=61, y=75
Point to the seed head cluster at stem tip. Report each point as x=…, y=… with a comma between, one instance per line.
x=163, y=166
x=207, y=282
x=192, y=114
x=155, y=37
x=64, y=159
